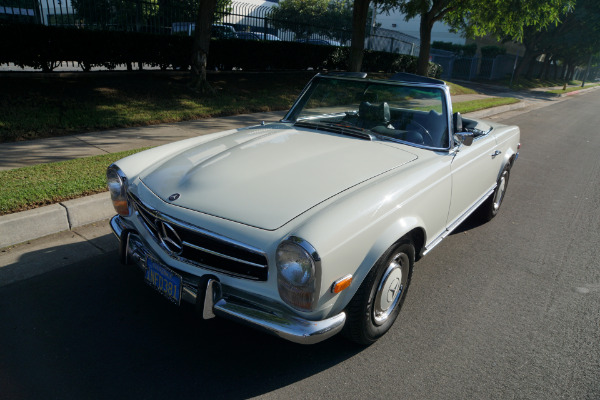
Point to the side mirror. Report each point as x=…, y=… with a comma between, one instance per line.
x=457, y=122
x=465, y=138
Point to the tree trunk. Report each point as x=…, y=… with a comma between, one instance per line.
x=544, y=70
x=525, y=62
x=425, y=29
x=359, y=25
x=206, y=10
x=571, y=72
x=531, y=65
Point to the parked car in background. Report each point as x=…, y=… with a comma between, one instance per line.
x=322, y=42
x=248, y=36
x=272, y=37
x=220, y=31
x=311, y=226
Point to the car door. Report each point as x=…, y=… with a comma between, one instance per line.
x=474, y=173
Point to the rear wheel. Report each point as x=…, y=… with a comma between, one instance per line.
x=376, y=305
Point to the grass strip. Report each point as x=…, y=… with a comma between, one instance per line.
x=481, y=104
x=34, y=107
x=456, y=89
x=39, y=185
x=532, y=83
x=39, y=107
x=572, y=89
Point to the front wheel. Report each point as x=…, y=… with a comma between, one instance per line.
x=376, y=305
x=491, y=206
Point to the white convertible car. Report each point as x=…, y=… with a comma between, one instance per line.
x=310, y=226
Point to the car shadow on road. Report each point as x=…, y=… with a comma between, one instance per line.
x=473, y=221
x=93, y=329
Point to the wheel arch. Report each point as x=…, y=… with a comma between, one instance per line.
x=411, y=228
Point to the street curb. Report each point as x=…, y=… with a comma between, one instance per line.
x=575, y=92
x=33, y=224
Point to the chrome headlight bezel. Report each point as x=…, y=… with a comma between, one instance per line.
x=117, y=183
x=298, y=273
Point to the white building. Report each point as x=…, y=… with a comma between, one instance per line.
x=395, y=21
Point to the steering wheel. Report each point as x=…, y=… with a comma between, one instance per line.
x=427, y=139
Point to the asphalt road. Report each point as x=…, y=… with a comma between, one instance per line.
x=505, y=310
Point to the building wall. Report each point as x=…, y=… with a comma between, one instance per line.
x=395, y=21
x=511, y=47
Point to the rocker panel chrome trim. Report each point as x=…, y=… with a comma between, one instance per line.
x=458, y=221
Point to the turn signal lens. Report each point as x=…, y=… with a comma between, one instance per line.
x=341, y=284
x=121, y=207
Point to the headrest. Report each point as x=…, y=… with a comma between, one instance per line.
x=380, y=113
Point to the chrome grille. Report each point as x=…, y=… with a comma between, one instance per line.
x=202, y=248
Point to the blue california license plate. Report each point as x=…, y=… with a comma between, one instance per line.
x=164, y=280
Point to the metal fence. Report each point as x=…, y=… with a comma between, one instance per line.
x=470, y=68
x=242, y=20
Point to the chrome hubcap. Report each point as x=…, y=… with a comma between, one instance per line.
x=391, y=288
x=500, y=192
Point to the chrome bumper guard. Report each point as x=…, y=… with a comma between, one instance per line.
x=211, y=298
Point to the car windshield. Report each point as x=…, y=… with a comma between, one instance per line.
x=413, y=114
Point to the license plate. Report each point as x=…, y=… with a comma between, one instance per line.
x=164, y=280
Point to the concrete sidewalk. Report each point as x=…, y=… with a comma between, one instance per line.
x=41, y=151
x=32, y=224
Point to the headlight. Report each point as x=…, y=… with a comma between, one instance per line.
x=298, y=273
x=117, y=186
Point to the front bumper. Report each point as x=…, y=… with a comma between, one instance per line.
x=214, y=299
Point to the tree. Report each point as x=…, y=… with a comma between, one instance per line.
x=187, y=10
x=523, y=21
x=430, y=13
x=309, y=17
x=359, y=28
x=303, y=17
x=339, y=19
x=124, y=14
x=505, y=18
x=572, y=41
x=204, y=19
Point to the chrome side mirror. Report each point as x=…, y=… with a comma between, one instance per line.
x=457, y=122
x=462, y=137
x=465, y=138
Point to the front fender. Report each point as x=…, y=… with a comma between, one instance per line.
x=408, y=226
x=351, y=232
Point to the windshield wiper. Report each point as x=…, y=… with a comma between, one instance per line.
x=337, y=127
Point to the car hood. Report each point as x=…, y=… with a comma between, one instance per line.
x=266, y=177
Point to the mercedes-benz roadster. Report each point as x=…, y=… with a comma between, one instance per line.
x=311, y=226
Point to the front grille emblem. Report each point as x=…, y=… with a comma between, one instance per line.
x=169, y=237
x=174, y=196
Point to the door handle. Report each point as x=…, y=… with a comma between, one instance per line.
x=496, y=153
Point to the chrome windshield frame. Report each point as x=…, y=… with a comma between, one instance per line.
x=447, y=102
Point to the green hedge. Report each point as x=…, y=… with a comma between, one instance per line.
x=467, y=50
x=43, y=47
x=492, y=51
